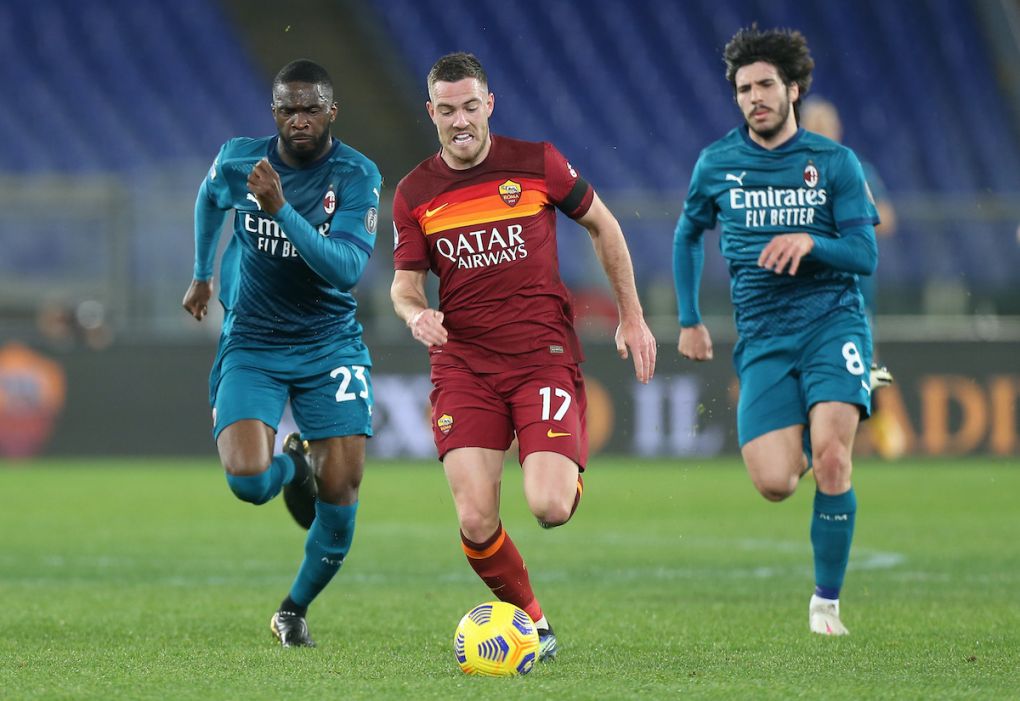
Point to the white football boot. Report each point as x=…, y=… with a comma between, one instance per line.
x=823, y=617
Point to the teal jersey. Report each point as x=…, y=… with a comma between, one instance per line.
x=270, y=294
x=809, y=184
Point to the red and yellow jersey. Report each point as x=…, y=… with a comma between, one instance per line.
x=489, y=235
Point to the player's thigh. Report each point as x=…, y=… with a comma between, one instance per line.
x=474, y=476
x=467, y=412
x=550, y=483
x=549, y=406
x=770, y=391
x=247, y=387
x=331, y=394
x=836, y=364
x=246, y=447
x=339, y=464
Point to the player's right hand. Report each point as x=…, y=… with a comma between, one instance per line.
x=695, y=343
x=196, y=299
x=427, y=326
x=634, y=333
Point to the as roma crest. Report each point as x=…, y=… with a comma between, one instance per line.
x=510, y=192
x=810, y=174
x=445, y=423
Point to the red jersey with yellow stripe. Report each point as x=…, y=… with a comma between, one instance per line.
x=489, y=235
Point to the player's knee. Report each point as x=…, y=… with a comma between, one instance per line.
x=339, y=491
x=775, y=487
x=478, y=527
x=240, y=466
x=553, y=512
x=832, y=466
x=254, y=489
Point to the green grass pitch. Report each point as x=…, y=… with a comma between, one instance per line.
x=148, y=580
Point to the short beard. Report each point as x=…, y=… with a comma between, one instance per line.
x=769, y=134
x=307, y=156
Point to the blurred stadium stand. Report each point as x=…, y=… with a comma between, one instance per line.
x=114, y=109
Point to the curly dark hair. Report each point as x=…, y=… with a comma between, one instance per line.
x=786, y=49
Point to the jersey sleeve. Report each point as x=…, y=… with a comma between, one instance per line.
x=698, y=215
x=211, y=208
x=854, y=204
x=853, y=249
x=409, y=248
x=357, y=218
x=699, y=207
x=571, y=193
x=879, y=191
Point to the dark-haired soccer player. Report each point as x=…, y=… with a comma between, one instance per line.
x=797, y=229
x=306, y=207
x=481, y=215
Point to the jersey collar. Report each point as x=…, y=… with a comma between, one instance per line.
x=789, y=143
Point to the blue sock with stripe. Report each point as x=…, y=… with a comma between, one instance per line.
x=832, y=532
x=329, y=540
x=260, y=488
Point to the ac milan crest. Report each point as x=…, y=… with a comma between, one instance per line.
x=329, y=202
x=810, y=174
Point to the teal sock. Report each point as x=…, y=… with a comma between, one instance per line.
x=260, y=488
x=832, y=531
x=328, y=541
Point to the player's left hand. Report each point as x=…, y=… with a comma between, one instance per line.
x=264, y=183
x=635, y=334
x=785, y=250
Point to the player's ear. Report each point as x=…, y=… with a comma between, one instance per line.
x=333, y=109
x=430, y=109
x=490, y=104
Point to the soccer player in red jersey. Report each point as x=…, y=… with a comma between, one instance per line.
x=481, y=215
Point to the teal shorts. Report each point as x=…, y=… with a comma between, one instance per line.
x=782, y=377
x=329, y=386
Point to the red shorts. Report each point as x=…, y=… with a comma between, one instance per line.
x=544, y=406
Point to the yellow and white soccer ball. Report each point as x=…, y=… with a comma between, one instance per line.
x=496, y=639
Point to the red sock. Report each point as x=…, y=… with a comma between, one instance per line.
x=500, y=565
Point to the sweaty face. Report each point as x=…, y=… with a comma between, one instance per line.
x=765, y=101
x=461, y=113
x=303, y=113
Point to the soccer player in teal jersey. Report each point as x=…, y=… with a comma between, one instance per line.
x=797, y=225
x=305, y=213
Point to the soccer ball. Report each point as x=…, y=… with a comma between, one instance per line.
x=496, y=639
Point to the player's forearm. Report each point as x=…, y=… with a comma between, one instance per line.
x=407, y=295
x=208, y=224
x=336, y=261
x=855, y=251
x=612, y=252
x=688, y=262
